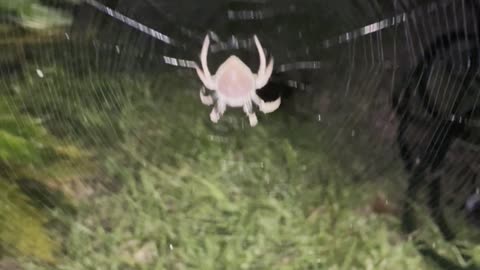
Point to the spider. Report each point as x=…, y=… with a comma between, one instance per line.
x=235, y=85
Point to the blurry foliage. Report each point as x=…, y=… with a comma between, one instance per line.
x=44, y=115
x=33, y=15
x=202, y=196
x=82, y=109
x=22, y=227
x=28, y=151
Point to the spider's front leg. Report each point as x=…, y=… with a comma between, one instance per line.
x=252, y=117
x=218, y=110
x=206, y=98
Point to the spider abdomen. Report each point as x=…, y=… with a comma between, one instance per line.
x=235, y=79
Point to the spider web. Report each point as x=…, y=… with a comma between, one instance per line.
x=386, y=90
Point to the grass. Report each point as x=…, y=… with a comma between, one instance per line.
x=170, y=190
x=175, y=191
x=193, y=195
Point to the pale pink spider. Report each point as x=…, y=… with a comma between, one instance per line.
x=235, y=85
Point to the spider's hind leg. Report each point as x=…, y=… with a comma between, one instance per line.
x=206, y=98
x=252, y=117
x=218, y=110
x=266, y=107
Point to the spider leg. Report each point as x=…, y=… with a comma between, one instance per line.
x=206, y=98
x=264, y=73
x=204, y=73
x=266, y=107
x=263, y=77
x=218, y=110
x=261, y=55
x=252, y=117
